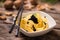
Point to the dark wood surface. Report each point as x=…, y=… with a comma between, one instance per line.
x=52, y=35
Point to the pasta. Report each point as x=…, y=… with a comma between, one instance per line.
x=34, y=22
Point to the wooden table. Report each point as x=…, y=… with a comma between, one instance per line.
x=52, y=35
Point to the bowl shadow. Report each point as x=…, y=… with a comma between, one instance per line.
x=49, y=36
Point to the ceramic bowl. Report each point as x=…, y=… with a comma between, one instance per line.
x=51, y=23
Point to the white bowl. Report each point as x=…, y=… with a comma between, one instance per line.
x=51, y=23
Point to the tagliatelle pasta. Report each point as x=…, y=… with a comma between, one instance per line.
x=34, y=22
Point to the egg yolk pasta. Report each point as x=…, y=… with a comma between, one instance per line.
x=34, y=22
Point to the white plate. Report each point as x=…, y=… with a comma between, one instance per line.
x=51, y=23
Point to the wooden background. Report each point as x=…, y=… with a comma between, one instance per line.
x=53, y=35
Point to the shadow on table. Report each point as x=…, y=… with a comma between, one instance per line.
x=49, y=36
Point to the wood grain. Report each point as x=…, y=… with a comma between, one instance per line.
x=53, y=35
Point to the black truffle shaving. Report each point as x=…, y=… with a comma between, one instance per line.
x=33, y=28
x=34, y=19
x=27, y=22
x=44, y=23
